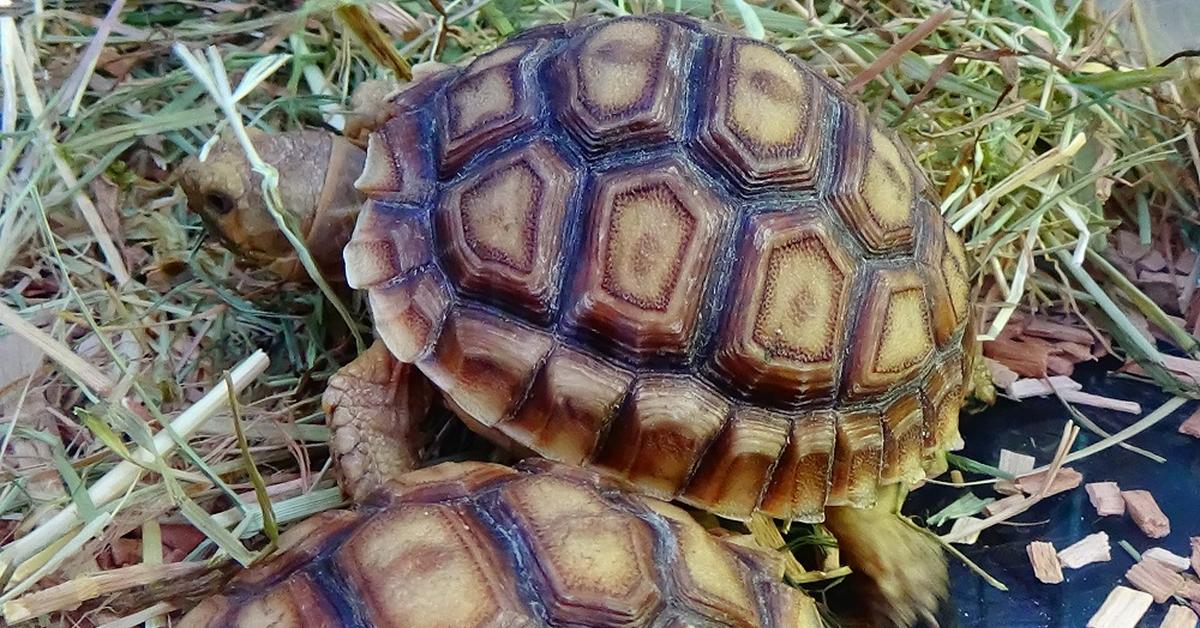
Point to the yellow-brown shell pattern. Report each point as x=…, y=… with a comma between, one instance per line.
x=645, y=245
x=479, y=544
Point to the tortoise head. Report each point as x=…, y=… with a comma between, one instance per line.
x=316, y=174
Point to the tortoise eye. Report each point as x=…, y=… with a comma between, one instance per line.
x=217, y=203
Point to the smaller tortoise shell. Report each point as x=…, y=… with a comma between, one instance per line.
x=479, y=544
x=650, y=246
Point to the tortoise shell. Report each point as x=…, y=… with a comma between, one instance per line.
x=676, y=254
x=475, y=544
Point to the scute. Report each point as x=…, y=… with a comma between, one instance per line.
x=502, y=228
x=763, y=118
x=479, y=544
x=493, y=98
x=662, y=432
x=620, y=83
x=893, y=338
x=876, y=191
x=658, y=248
x=649, y=245
x=793, y=285
x=436, y=542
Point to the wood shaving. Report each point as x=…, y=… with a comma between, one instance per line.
x=1179, y=617
x=1106, y=498
x=1154, y=578
x=1029, y=387
x=1015, y=463
x=1093, y=548
x=1123, y=608
x=1191, y=427
x=1065, y=480
x=1172, y=560
x=1196, y=554
x=1044, y=559
x=1146, y=514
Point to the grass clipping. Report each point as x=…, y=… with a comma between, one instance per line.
x=1037, y=127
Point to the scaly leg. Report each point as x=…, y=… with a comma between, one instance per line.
x=375, y=407
x=902, y=572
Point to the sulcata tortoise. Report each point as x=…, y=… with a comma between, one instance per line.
x=644, y=246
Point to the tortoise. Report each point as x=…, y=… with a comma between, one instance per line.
x=648, y=247
x=597, y=554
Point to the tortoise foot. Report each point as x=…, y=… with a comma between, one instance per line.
x=900, y=572
x=375, y=406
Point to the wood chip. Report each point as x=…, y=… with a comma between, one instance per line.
x=1029, y=387
x=1173, y=561
x=1002, y=376
x=1027, y=359
x=1179, y=617
x=1146, y=514
x=1065, y=480
x=1191, y=426
x=966, y=522
x=1015, y=463
x=1154, y=578
x=1106, y=497
x=1190, y=590
x=1045, y=562
x=1183, y=366
x=1098, y=401
x=1093, y=548
x=1129, y=245
x=1058, y=331
x=1153, y=262
x=1075, y=352
x=1196, y=554
x=1123, y=608
x=1000, y=505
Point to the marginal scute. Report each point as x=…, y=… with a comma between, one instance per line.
x=572, y=400
x=736, y=470
x=954, y=269
x=298, y=602
x=903, y=424
x=494, y=97
x=858, y=459
x=451, y=480
x=942, y=397
x=799, y=486
x=945, y=265
x=502, y=228
x=893, y=337
x=762, y=120
x=296, y=547
x=484, y=364
x=441, y=551
x=651, y=240
x=594, y=564
x=621, y=83
x=408, y=312
x=399, y=166
x=661, y=432
x=783, y=341
x=388, y=242
x=875, y=191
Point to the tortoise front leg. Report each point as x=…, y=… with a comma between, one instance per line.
x=375, y=406
x=900, y=571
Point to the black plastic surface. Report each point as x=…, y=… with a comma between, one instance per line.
x=1034, y=427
